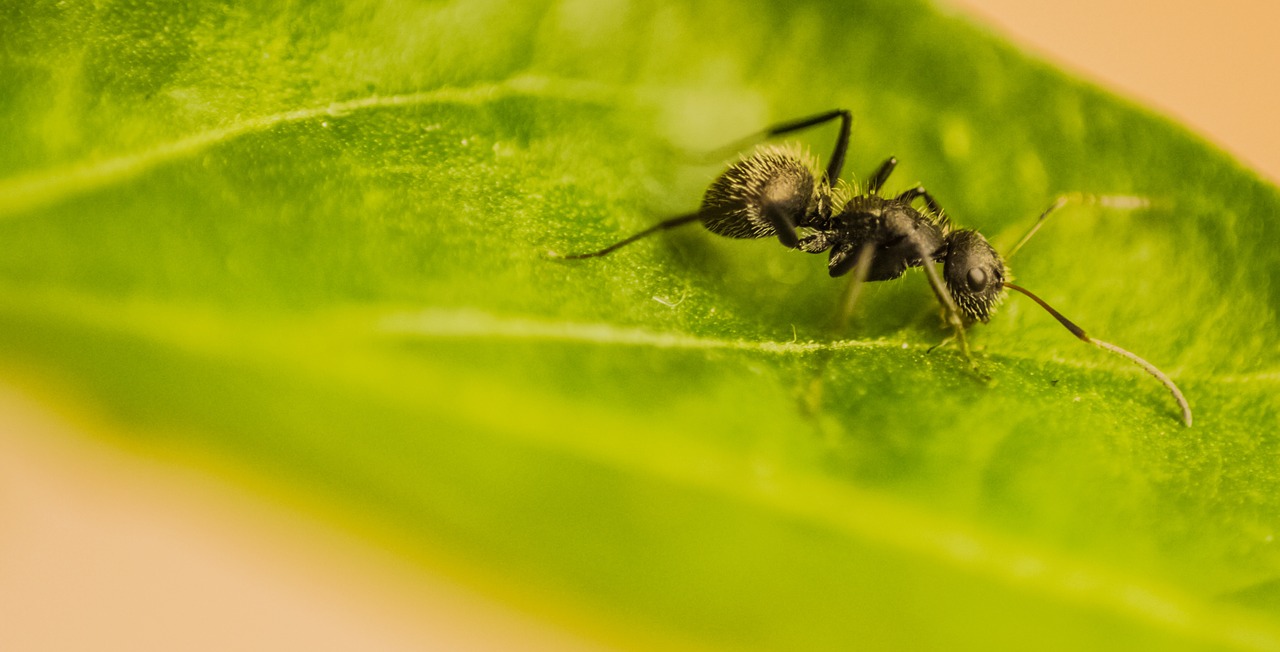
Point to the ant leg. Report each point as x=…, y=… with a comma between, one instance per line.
x=783, y=128
x=834, y=166
x=862, y=265
x=949, y=305
x=782, y=224
x=876, y=182
x=911, y=195
x=660, y=226
x=918, y=192
x=853, y=291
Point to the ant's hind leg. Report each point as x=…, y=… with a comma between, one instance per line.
x=671, y=223
x=836, y=163
x=783, y=224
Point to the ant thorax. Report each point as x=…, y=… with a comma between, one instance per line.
x=895, y=234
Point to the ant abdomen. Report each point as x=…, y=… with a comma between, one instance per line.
x=775, y=186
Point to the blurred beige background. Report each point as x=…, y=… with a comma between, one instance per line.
x=1213, y=66
x=105, y=550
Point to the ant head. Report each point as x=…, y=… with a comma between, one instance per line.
x=974, y=273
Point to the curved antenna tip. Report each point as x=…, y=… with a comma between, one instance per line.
x=1079, y=332
x=1151, y=369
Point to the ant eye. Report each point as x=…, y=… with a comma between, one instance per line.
x=977, y=278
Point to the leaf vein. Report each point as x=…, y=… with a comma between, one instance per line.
x=27, y=192
x=475, y=323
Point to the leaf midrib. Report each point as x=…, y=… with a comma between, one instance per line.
x=859, y=514
x=363, y=321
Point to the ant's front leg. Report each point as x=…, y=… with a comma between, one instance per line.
x=953, y=315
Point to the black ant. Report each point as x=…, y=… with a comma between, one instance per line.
x=781, y=192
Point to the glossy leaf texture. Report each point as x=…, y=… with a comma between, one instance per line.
x=310, y=240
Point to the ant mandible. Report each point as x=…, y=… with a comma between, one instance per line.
x=778, y=191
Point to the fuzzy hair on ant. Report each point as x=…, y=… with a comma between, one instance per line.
x=781, y=192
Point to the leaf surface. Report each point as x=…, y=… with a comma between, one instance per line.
x=312, y=241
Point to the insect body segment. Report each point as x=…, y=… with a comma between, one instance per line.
x=767, y=194
x=974, y=273
x=782, y=192
x=900, y=237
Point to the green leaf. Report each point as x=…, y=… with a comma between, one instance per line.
x=311, y=240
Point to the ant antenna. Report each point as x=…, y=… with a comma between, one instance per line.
x=660, y=226
x=1057, y=203
x=1079, y=332
x=1110, y=201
